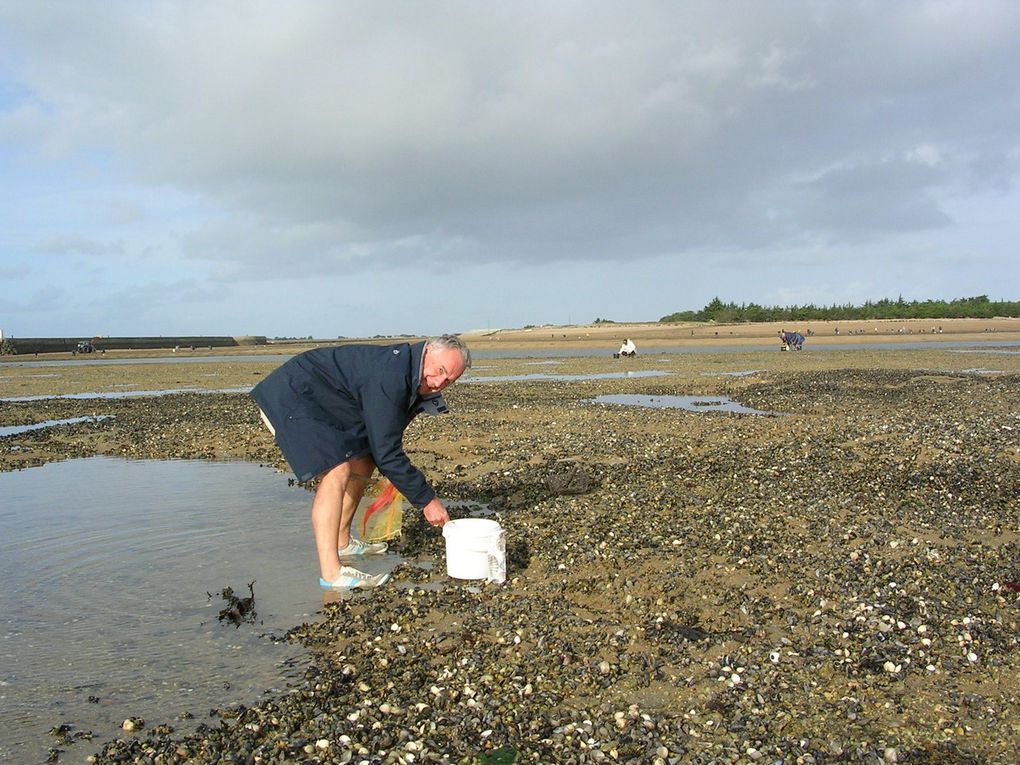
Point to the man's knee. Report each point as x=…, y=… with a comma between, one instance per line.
x=361, y=469
x=356, y=470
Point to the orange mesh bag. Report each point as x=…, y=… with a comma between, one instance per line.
x=380, y=514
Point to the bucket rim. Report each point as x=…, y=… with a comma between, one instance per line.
x=483, y=525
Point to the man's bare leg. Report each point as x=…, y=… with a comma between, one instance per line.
x=336, y=498
x=361, y=473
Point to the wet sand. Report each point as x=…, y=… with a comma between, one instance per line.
x=833, y=585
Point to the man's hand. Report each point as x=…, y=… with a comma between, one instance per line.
x=435, y=513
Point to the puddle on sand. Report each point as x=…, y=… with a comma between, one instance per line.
x=14, y=430
x=999, y=351
x=468, y=508
x=127, y=394
x=689, y=403
x=113, y=572
x=106, y=565
x=110, y=361
x=538, y=376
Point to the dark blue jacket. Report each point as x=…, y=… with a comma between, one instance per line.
x=368, y=392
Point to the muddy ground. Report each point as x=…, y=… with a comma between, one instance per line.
x=836, y=584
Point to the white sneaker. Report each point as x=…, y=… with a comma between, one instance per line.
x=351, y=578
x=357, y=547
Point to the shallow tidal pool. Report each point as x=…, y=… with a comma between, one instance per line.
x=688, y=403
x=105, y=610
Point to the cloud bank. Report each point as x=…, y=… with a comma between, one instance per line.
x=259, y=145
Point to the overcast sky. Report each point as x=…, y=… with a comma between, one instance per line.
x=359, y=168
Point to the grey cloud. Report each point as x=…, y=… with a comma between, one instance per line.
x=179, y=301
x=76, y=245
x=862, y=201
x=340, y=135
x=11, y=273
x=41, y=301
x=124, y=212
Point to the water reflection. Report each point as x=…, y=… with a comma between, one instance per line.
x=113, y=572
x=14, y=430
x=127, y=394
x=278, y=357
x=106, y=567
x=999, y=351
x=689, y=403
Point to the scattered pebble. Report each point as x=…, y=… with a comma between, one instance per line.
x=830, y=560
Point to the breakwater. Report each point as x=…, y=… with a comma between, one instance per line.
x=25, y=345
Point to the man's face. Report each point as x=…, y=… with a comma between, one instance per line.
x=440, y=368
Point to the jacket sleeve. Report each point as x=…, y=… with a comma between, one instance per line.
x=385, y=421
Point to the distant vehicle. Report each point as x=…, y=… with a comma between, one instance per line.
x=85, y=346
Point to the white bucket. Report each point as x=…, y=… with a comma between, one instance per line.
x=475, y=549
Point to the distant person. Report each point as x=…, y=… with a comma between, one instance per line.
x=791, y=340
x=627, y=349
x=337, y=413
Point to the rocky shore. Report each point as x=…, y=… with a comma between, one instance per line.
x=838, y=584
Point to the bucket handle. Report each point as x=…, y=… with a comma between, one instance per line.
x=497, y=558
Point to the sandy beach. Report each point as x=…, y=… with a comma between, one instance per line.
x=653, y=335
x=832, y=580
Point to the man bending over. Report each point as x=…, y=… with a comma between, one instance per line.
x=338, y=413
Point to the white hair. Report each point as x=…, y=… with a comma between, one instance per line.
x=452, y=342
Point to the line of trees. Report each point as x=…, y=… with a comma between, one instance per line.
x=979, y=307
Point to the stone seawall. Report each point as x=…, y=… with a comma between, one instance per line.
x=23, y=345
